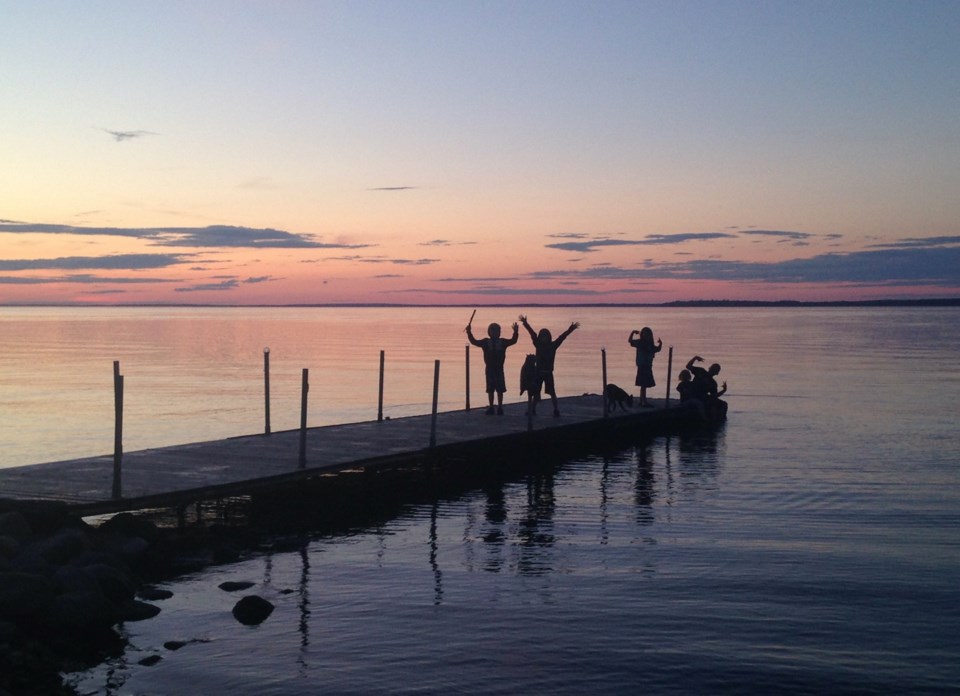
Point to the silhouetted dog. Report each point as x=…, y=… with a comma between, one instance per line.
x=615, y=396
x=529, y=382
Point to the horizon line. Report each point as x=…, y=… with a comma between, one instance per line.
x=928, y=301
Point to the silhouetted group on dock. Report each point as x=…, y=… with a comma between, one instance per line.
x=536, y=374
x=697, y=385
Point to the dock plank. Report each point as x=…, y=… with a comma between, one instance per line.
x=232, y=465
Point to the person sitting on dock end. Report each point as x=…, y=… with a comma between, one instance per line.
x=685, y=386
x=546, y=349
x=494, y=354
x=705, y=388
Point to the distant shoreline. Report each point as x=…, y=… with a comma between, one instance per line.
x=928, y=302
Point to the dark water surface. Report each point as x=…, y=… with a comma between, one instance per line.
x=811, y=545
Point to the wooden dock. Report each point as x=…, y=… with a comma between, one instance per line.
x=178, y=475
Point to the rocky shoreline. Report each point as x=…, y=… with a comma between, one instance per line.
x=65, y=585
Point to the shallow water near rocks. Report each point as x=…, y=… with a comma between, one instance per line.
x=810, y=545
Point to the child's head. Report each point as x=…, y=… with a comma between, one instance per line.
x=684, y=375
x=714, y=369
x=646, y=334
x=545, y=336
x=493, y=331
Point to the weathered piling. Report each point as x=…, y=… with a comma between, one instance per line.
x=669, y=372
x=117, y=428
x=467, y=362
x=266, y=391
x=304, y=388
x=436, y=396
x=380, y=390
x=603, y=391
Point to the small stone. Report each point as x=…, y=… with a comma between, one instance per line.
x=252, y=610
x=234, y=586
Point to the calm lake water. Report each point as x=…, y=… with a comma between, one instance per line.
x=810, y=545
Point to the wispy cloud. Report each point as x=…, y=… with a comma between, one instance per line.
x=223, y=283
x=919, y=243
x=444, y=243
x=393, y=188
x=121, y=136
x=934, y=266
x=587, y=244
x=509, y=291
x=937, y=266
x=211, y=236
x=228, y=284
x=385, y=259
x=118, y=261
x=82, y=278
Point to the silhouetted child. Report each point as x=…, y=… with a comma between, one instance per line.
x=646, y=350
x=705, y=387
x=494, y=354
x=546, y=350
x=685, y=386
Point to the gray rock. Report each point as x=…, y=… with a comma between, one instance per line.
x=63, y=547
x=9, y=547
x=152, y=594
x=134, y=610
x=81, y=611
x=127, y=524
x=76, y=579
x=117, y=585
x=14, y=524
x=24, y=594
x=252, y=610
x=234, y=586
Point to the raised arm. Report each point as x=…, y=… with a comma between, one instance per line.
x=516, y=334
x=695, y=358
x=533, y=334
x=573, y=327
x=470, y=337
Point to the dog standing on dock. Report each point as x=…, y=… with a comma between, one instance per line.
x=529, y=382
x=615, y=396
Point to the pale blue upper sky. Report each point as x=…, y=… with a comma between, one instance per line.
x=394, y=124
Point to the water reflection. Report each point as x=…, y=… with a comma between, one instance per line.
x=550, y=514
x=700, y=457
x=434, y=566
x=645, y=487
x=536, y=533
x=495, y=518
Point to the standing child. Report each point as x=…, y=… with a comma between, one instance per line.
x=546, y=349
x=494, y=354
x=646, y=349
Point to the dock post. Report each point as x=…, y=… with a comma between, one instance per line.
x=669, y=372
x=266, y=391
x=380, y=391
x=603, y=392
x=304, y=388
x=117, y=428
x=436, y=392
x=467, y=351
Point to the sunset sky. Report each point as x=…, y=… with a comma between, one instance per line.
x=459, y=152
